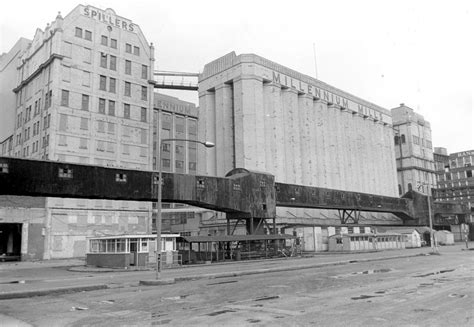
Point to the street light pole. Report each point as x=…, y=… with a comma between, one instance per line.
x=159, y=199
x=434, y=248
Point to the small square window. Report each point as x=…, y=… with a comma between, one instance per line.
x=113, y=63
x=65, y=173
x=88, y=35
x=112, y=83
x=128, y=67
x=78, y=32
x=113, y=43
x=103, y=83
x=128, y=48
x=103, y=60
x=101, y=106
x=111, y=108
x=122, y=178
x=64, y=98
x=136, y=51
x=126, y=110
x=128, y=89
x=104, y=40
x=3, y=168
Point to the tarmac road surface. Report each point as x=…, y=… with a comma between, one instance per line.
x=407, y=291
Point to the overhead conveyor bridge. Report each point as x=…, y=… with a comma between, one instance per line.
x=242, y=194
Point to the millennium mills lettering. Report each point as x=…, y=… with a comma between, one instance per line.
x=327, y=96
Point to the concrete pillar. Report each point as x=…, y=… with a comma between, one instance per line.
x=350, y=174
x=323, y=160
x=313, y=147
x=307, y=152
x=382, y=175
x=292, y=151
x=363, y=155
x=350, y=140
x=207, y=129
x=391, y=162
x=331, y=147
x=238, y=124
x=48, y=238
x=341, y=148
x=273, y=128
x=224, y=129
x=318, y=239
x=249, y=114
x=256, y=85
x=279, y=134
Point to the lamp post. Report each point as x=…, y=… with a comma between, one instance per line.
x=434, y=248
x=158, y=206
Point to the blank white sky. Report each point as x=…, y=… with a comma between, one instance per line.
x=420, y=53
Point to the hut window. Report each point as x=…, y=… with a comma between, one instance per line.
x=121, y=178
x=65, y=173
x=3, y=168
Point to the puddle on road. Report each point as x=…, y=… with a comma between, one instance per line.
x=179, y=297
x=15, y=282
x=460, y=296
x=265, y=298
x=436, y=273
x=216, y=313
x=227, y=282
x=422, y=310
x=363, y=297
x=365, y=272
x=253, y=321
x=161, y=322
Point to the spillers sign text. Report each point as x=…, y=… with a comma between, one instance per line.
x=109, y=18
x=329, y=97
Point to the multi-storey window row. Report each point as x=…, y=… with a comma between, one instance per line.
x=104, y=40
x=83, y=33
x=103, y=84
x=129, y=48
x=128, y=69
x=108, y=61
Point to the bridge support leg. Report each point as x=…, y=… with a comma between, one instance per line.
x=346, y=215
x=255, y=226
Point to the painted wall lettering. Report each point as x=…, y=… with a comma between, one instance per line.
x=329, y=97
x=108, y=17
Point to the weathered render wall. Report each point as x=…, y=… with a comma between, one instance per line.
x=266, y=117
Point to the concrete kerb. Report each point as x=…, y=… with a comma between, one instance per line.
x=272, y=270
x=50, y=291
x=168, y=281
x=157, y=282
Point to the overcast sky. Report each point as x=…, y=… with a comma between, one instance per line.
x=420, y=53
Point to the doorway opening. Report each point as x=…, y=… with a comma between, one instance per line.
x=10, y=241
